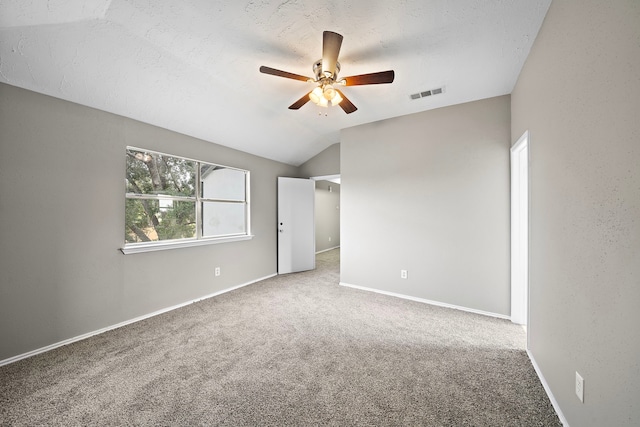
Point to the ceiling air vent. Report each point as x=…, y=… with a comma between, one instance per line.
x=426, y=93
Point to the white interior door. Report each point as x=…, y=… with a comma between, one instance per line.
x=520, y=230
x=296, y=225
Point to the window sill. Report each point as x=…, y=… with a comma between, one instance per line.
x=134, y=248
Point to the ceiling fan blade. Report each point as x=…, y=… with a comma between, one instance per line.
x=370, y=79
x=331, y=43
x=279, y=73
x=300, y=102
x=345, y=104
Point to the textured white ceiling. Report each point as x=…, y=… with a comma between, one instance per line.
x=192, y=65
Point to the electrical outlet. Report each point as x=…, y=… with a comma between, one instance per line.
x=329, y=238
x=217, y=271
x=404, y=274
x=579, y=387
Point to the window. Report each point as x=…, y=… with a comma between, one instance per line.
x=174, y=202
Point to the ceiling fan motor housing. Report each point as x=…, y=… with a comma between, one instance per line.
x=325, y=75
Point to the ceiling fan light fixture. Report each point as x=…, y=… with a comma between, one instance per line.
x=337, y=99
x=316, y=95
x=328, y=92
x=325, y=96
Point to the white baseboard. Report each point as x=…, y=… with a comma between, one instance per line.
x=547, y=389
x=426, y=301
x=121, y=324
x=327, y=250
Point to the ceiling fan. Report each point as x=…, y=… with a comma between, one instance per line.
x=326, y=71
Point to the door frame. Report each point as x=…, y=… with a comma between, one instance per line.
x=520, y=230
x=335, y=178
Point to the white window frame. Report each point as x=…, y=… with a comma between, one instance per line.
x=198, y=240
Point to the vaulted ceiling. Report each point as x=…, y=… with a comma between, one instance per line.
x=191, y=66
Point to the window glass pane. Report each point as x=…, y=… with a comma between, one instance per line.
x=154, y=220
x=153, y=173
x=222, y=183
x=220, y=218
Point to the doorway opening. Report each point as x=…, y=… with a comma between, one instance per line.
x=327, y=212
x=520, y=231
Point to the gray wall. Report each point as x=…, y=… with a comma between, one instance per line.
x=327, y=212
x=429, y=193
x=579, y=96
x=62, y=171
x=325, y=163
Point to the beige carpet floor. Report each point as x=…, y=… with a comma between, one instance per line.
x=293, y=350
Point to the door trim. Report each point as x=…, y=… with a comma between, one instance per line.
x=520, y=230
